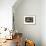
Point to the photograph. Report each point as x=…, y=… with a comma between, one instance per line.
x=22, y=22
x=29, y=19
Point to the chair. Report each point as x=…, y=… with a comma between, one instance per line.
x=18, y=37
x=29, y=43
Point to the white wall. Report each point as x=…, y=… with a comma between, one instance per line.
x=37, y=31
x=43, y=22
x=6, y=13
x=29, y=7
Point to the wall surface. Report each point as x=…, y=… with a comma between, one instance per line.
x=43, y=22
x=29, y=8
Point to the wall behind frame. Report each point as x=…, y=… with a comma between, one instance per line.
x=29, y=7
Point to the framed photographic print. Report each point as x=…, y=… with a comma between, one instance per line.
x=29, y=19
